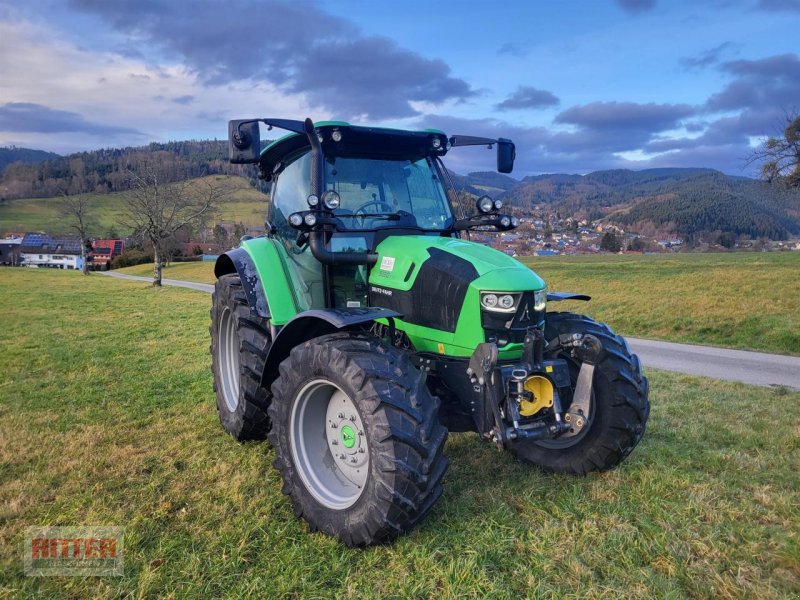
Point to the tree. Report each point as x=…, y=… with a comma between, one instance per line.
x=76, y=209
x=157, y=210
x=780, y=156
x=611, y=242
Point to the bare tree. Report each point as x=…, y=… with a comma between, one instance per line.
x=780, y=155
x=158, y=210
x=77, y=210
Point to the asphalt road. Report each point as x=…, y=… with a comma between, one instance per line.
x=756, y=368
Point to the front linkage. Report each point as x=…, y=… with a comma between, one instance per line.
x=506, y=401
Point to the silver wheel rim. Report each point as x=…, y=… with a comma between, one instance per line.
x=228, y=355
x=329, y=444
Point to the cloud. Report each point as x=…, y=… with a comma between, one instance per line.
x=707, y=57
x=304, y=51
x=528, y=97
x=769, y=84
x=637, y=6
x=779, y=5
x=27, y=117
x=625, y=116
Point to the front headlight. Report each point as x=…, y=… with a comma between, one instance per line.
x=500, y=301
x=540, y=300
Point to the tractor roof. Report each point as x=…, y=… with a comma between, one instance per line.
x=359, y=141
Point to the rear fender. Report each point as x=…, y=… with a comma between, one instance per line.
x=239, y=261
x=314, y=323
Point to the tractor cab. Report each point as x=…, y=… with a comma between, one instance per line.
x=371, y=183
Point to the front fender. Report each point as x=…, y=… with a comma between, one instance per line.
x=314, y=323
x=239, y=261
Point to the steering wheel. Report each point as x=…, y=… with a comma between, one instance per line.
x=360, y=211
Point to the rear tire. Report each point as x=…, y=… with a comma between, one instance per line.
x=239, y=345
x=620, y=406
x=357, y=438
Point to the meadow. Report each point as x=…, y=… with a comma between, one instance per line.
x=107, y=417
x=738, y=300
x=242, y=204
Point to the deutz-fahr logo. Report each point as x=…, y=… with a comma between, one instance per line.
x=378, y=290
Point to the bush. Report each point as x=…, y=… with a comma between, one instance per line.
x=131, y=257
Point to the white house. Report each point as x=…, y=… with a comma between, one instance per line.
x=41, y=250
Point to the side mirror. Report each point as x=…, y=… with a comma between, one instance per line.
x=244, y=142
x=506, y=153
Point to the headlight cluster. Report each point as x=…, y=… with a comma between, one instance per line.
x=540, y=300
x=499, y=301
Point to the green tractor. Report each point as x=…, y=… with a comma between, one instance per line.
x=365, y=325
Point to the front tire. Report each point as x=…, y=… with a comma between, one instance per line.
x=620, y=406
x=239, y=345
x=357, y=438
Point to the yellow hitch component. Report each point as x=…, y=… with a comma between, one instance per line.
x=542, y=391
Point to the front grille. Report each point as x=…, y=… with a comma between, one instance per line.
x=512, y=326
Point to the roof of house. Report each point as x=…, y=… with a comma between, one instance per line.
x=44, y=244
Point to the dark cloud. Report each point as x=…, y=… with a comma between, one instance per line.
x=184, y=100
x=707, y=57
x=296, y=46
x=768, y=84
x=779, y=5
x=528, y=97
x=26, y=117
x=637, y=6
x=626, y=116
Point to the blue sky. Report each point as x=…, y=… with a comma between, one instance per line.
x=579, y=86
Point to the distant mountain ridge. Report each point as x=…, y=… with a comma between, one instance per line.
x=13, y=154
x=684, y=201
x=689, y=202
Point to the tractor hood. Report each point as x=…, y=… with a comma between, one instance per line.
x=436, y=282
x=401, y=258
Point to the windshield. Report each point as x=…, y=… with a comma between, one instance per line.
x=388, y=193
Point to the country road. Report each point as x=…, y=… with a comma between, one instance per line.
x=755, y=368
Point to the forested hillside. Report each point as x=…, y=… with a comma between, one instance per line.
x=688, y=202
x=26, y=155
x=108, y=170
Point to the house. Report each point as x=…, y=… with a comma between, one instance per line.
x=10, y=251
x=41, y=250
x=103, y=251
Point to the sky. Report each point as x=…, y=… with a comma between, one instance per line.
x=579, y=86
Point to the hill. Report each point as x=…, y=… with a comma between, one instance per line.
x=242, y=204
x=688, y=202
x=24, y=155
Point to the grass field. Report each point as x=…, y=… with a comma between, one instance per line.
x=242, y=204
x=739, y=300
x=201, y=271
x=107, y=417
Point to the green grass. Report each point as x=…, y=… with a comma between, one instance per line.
x=201, y=271
x=107, y=417
x=739, y=300
x=242, y=204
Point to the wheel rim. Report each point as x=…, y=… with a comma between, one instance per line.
x=329, y=444
x=228, y=355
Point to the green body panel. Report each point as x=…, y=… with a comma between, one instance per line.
x=278, y=278
x=496, y=272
